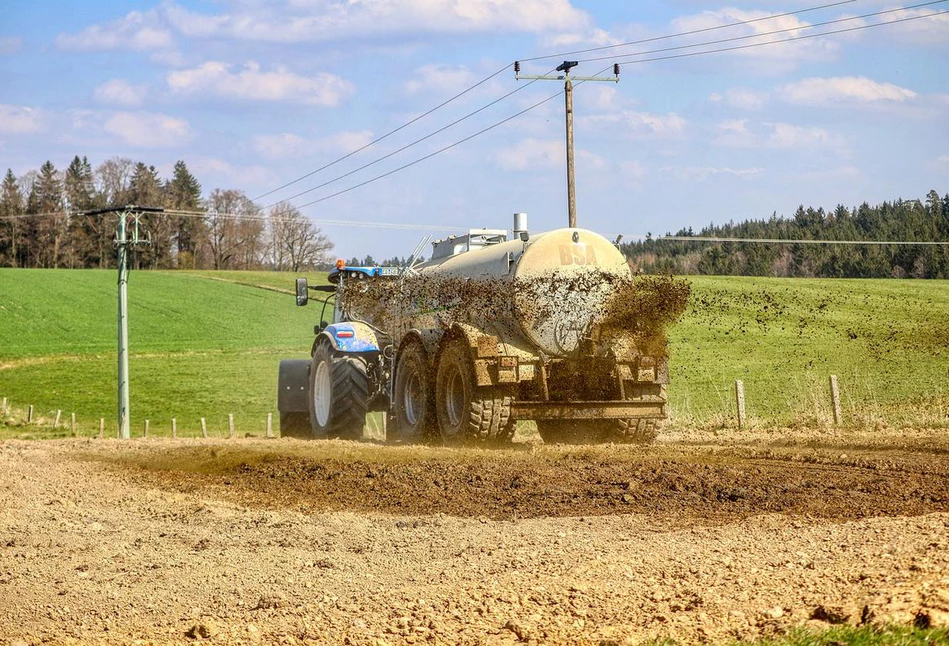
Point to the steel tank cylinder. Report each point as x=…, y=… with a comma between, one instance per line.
x=553, y=285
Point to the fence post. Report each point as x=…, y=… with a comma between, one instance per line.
x=269, y=424
x=146, y=429
x=230, y=425
x=59, y=413
x=174, y=428
x=835, y=398
x=740, y=402
x=3, y=407
x=101, y=427
x=204, y=428
x=29, y=415
x=73, y=424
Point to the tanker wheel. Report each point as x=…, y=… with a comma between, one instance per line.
x=466, y=412
x=339, y=394
x=295, y=425
x=413, y=415
x=637, y=430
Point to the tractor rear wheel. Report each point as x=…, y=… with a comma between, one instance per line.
x=466, y=412
x=414, y=401
x=339, y=394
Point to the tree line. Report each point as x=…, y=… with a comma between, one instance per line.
x=901, y=220
x=43, y=221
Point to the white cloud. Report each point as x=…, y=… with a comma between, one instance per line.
x=442, y=79
x=21, y=120
x=786, y=135
x=773, y=58
x=280, y=146
x=329, y=20
x=634, y=171
x=741, y=98
x=147, y=129
x=737, y=133
x=930, y=30
x=530, y=154
x=703, y=173
x=10, y=44
x=347, y=142
x=251, y=83
x=119, y=92
x=223, y=172
x=286, y=145
x=843, y=89
x=640, y=124
x=942, y=159
x=136, y=31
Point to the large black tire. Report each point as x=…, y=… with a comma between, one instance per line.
x=339, y=394
x=295, y=425
x=637, y=430
x=413, y=418
x=468, y=413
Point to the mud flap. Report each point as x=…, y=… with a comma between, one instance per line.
x=292, y=386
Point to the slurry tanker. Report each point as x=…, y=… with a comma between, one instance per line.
x=492, y=329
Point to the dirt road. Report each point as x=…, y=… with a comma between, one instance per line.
x=699, y=538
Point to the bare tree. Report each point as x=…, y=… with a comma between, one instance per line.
x=232, y=228
x=295, y=243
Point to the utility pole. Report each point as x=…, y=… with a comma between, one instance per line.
x=124, y=239
x=568, y=80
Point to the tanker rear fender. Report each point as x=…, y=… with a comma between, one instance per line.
x=492, y=364
x=428, y=338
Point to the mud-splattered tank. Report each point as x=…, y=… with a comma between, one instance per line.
x=544, y=293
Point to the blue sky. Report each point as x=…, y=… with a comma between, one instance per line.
x=253, y=94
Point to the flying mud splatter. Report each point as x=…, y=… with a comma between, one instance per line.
x=602, y=304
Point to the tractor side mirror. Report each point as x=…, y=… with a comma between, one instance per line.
x=303, y=295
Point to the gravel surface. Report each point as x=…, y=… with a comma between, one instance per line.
x=258, y=542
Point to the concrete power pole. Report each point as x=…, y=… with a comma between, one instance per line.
x=565, y=67
x=123, y=241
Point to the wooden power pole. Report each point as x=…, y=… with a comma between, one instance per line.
x=565, y=67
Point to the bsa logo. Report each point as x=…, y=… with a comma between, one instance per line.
x=577, y=254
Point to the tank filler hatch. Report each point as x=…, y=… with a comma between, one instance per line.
x=473, y=240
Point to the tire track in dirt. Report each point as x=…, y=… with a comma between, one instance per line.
x=695, y=485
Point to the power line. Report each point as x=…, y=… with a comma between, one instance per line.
x=326, y=222
x=798, y=241
x=432, y=154
x=407, y=146
x=658, y=58
x=689, y=33
x=391, y=132
x=785, y=40
x=494, y=74
x=776, y=31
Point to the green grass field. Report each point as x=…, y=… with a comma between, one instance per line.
x=206, y=344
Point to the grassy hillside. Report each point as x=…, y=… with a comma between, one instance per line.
x=886, y=340
x=205, y=344
x=201, y=345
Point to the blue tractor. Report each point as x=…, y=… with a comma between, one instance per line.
x=347, y=377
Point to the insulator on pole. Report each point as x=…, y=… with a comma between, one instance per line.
x=517, y=66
